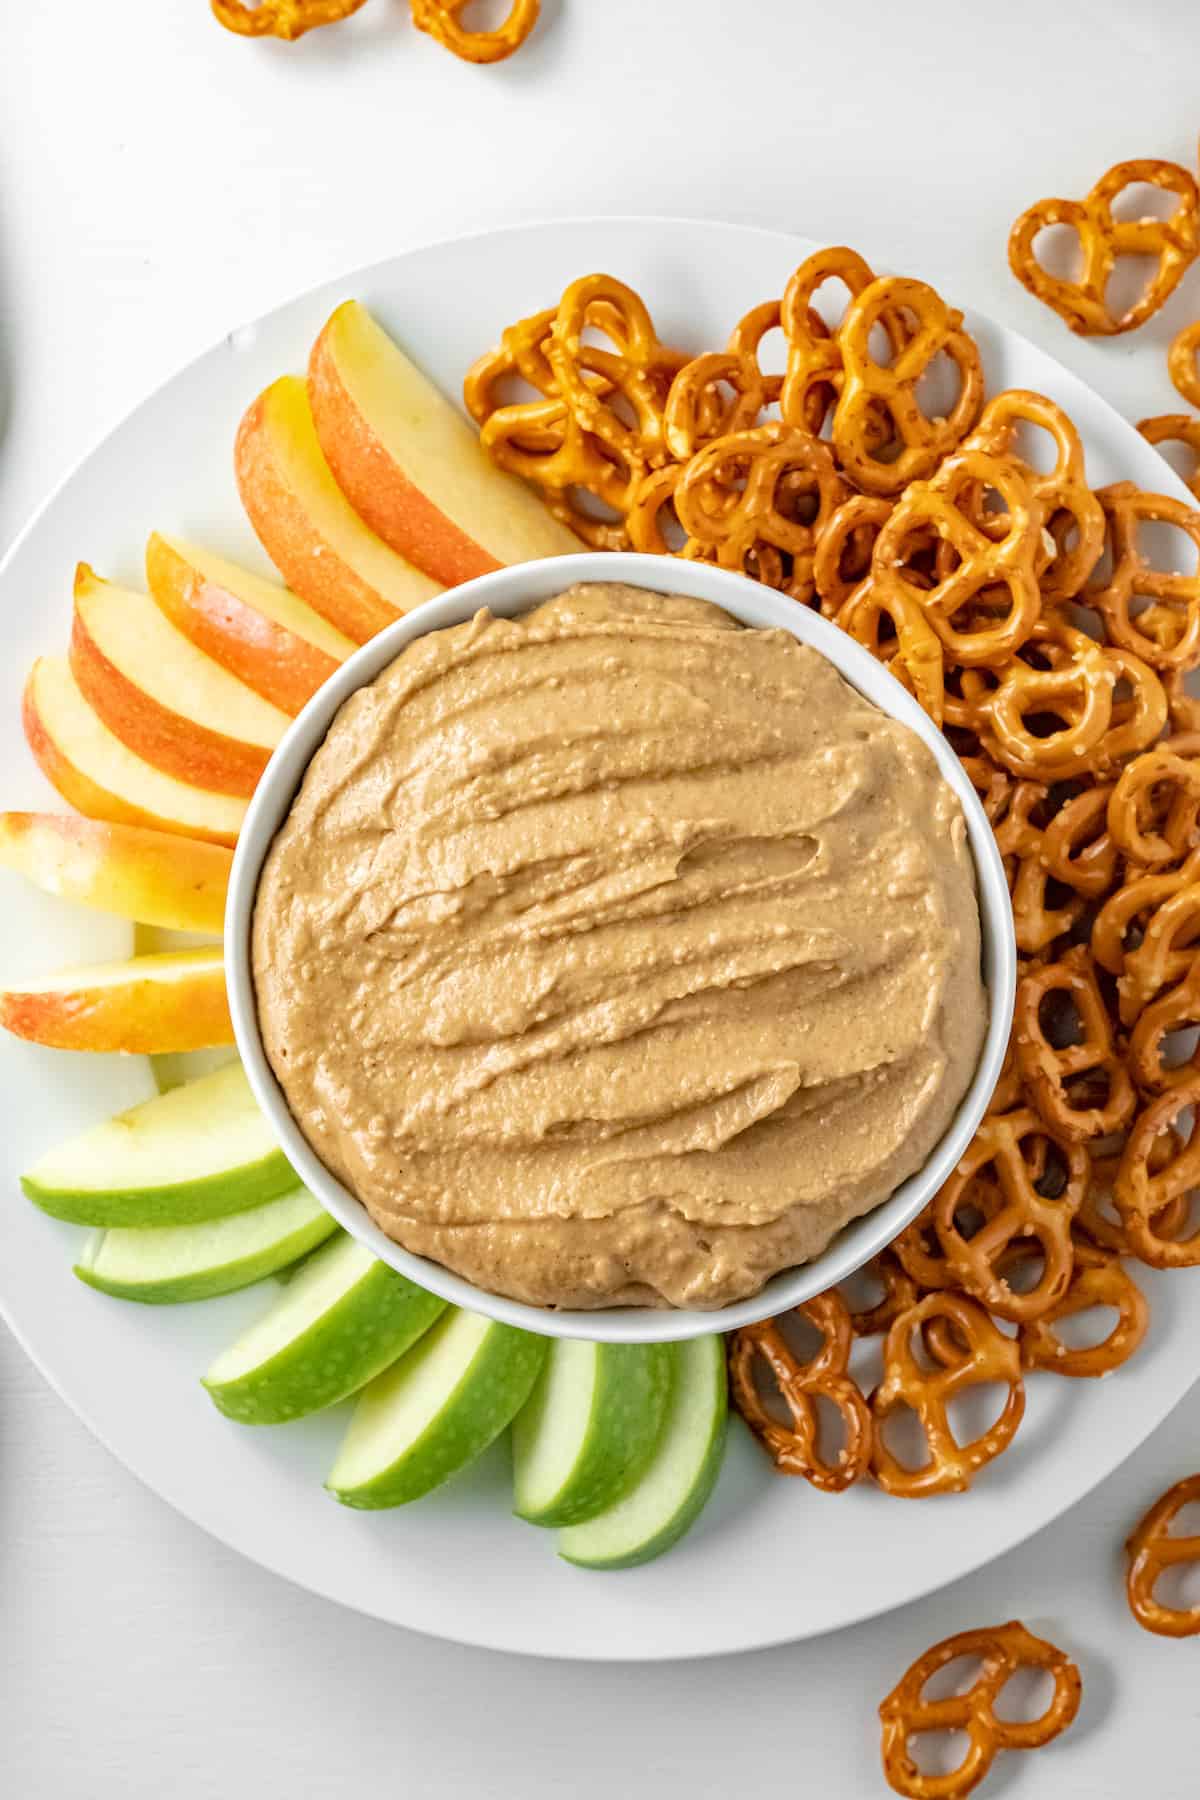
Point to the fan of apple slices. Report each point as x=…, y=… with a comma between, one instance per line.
x=370, y=494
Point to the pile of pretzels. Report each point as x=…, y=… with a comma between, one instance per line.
x=1028, y=615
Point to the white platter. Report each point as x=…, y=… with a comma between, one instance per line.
x=772, y=1560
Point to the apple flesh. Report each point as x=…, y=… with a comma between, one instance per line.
x=342, y=1319
x=151, y=876
x=172, y=1263
x=95, y=772
x=165, y=699
x=197, y=1152
x=307, y=526
x=588, y=1428
x=434, y=1411
x=255, y=629
x=411, y=465
x=149, y=1004
x=676, y=1483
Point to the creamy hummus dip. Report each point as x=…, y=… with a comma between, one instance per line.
x=619, y=954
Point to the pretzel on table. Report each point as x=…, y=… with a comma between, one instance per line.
x=1002, y=1650
x=1181, y=362
x=440, y=19
x=1173, y=243
x=1152, y=1551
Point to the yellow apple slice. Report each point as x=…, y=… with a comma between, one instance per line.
x=307, y=526
x=164, y=699
x=144, y=1006
x=151, y=876
x=411, y=465
x=95, y=772
x=255, y=629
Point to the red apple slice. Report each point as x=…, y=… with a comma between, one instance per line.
x=255, y=629
x=307, y=526
x=95, y=772
x=167, y=701
x=154, y=877
x=410, y=463
x=146, y=1006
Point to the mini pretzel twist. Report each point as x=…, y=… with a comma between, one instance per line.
x=794, y=1448
x=1098, y=1221
x=1181, y=362
x=1077, y=846
x=287, y=19
x=1077, y=687
x=814, y=361
x=696, y=411
x=913, y=653
x=746, y=339
x=1178, y=428
x=1002, y=1649
x=1166, y=634
x=870, y=388
x=1176, y=1010
x=1021, y=843
x=440, y=19
x=1130, y=906
x=1002, y=570
x=639, y=369
x=782, y=472
x=1147, y=826
x=1012, y=1147
x=1067, y=503
x=986, y=1355
x=1166, y=954
x=1142, y=1191
x=1173, y=243
x=1053, y=1075
x=1152, y=1551
x=899, y=1292
x=843, y=554
x=1099, y=1279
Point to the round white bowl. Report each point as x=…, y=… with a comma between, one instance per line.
x=508, y=592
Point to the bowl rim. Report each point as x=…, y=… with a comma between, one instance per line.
x=506, y=592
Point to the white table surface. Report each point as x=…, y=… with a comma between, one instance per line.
x=160, y=183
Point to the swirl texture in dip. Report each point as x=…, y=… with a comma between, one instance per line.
x=619, y=954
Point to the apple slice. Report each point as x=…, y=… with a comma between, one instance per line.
x=176, y=1001
x=342, y=1319
x=198, y=1152
x=307, y=526
x=411, y=465
x=255, y=629
x=588, y=1428
x=675, y=1486
x=163, y=698
x=151, y=876
x=435, y=1410
x=197, y=1262
x=95, y=772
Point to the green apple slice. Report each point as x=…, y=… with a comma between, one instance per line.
x=166, y=1263
x=198, y=1152
x=343, y=1318
x=435, y=1410
x=588, y=1428
x=676, y=1483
